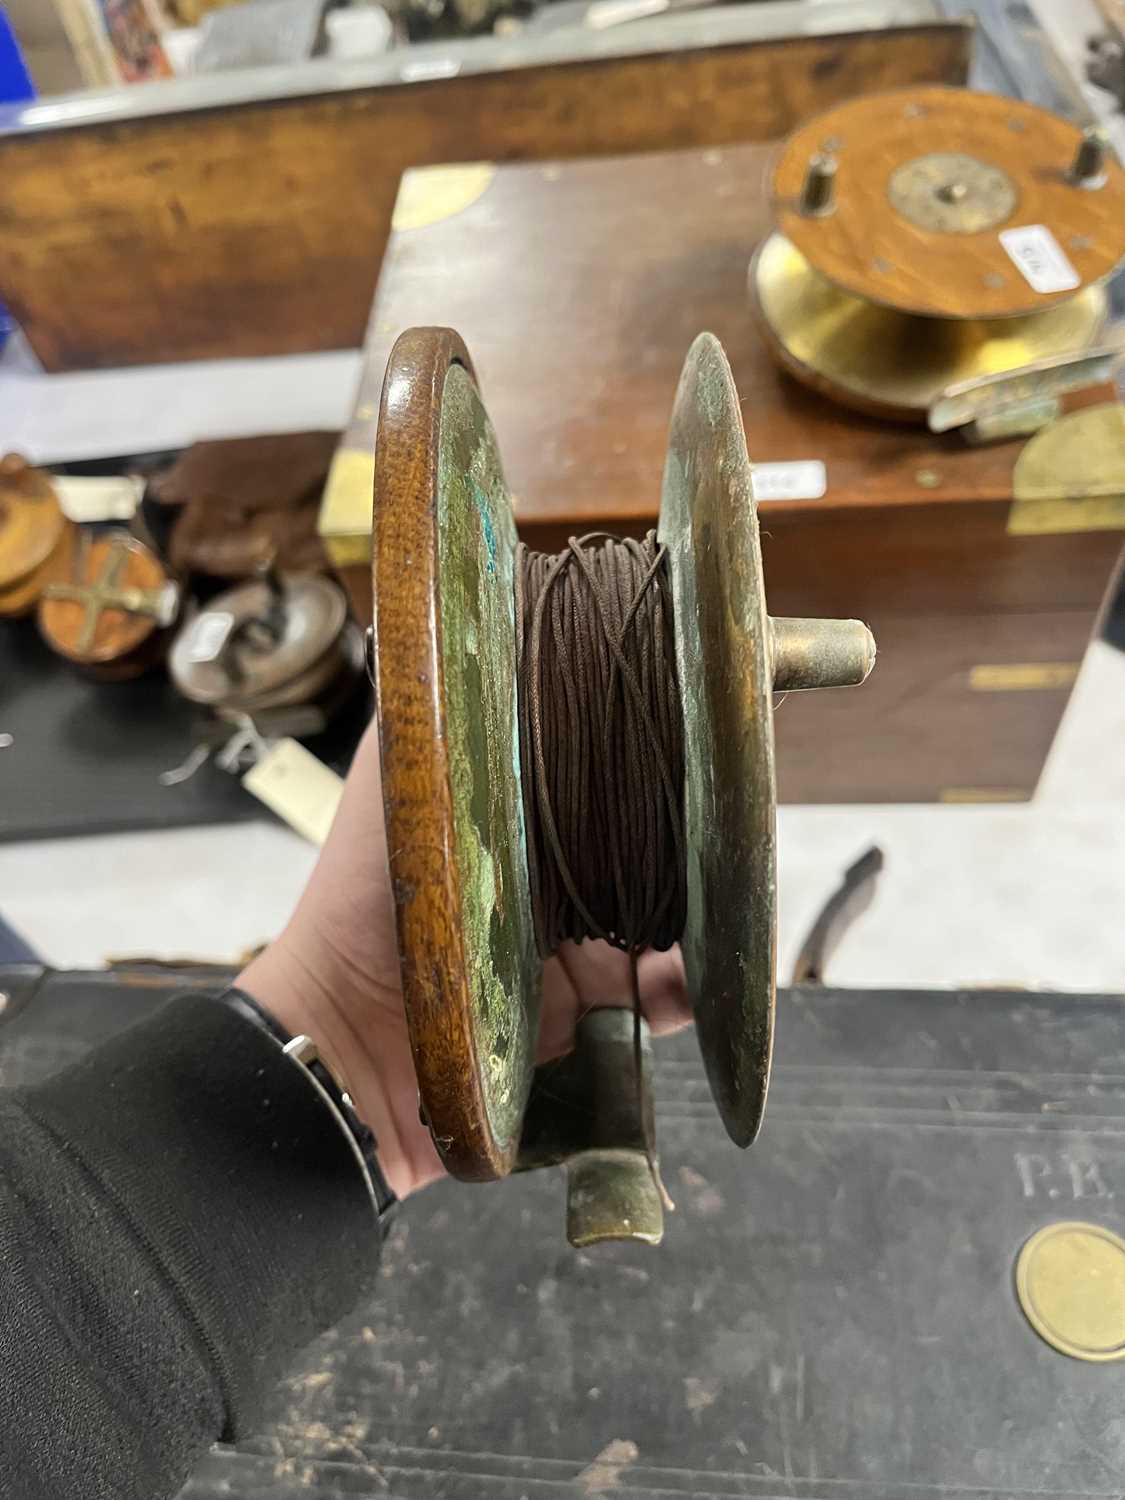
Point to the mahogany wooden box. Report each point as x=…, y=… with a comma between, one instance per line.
x=246, y=213
x=578, y=287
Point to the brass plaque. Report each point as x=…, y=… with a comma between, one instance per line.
x=345, y=509
x=986, y=794
x=1071, y=475
x=1070, y=1280
x=426, y=195
x=1023, y=677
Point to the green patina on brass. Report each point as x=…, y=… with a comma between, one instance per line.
x=476, y=581
x=709, y=524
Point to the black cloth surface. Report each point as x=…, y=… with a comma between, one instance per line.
x=179, y=1215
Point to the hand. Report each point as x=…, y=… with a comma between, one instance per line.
x=333, y=975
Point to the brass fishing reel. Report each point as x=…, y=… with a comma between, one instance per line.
x=446, y=664
x=933, y=243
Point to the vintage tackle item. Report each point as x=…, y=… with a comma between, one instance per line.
x=113, y=614
x=35, y=537
x=666, y=674
x=929, y=237
x=271, y=643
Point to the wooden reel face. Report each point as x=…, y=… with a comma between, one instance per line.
x=35, y=536
x=891, y=363
x=446, y=663
x=931, y=183
x=444, y=548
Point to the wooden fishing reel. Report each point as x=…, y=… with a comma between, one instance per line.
x=930, y=242
x=35, y=537
x=446, y=662
x=112, y=614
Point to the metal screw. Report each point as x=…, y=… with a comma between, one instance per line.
x=818, y=191
x=952, y=192
x=369, y=652
x=993, y=279
x=1087, y=170
x=929, y=479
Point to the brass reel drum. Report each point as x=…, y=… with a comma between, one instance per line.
x=446, y=662
x=933, y=238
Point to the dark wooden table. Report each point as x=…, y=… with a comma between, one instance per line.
x=831, y=1314
x=578, y=287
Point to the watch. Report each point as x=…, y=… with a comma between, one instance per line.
x=302, y=1052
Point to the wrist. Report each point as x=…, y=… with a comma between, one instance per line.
x=290, y=988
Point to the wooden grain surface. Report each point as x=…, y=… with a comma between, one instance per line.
x=31, y=522
x=865, y=246
x=578, y=362
x=259, y=229
x=433, y=905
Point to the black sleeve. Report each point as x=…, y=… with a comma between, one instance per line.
x=180, y=1213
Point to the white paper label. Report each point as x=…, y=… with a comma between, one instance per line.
x=299, y=788
x=1039, y=258
x=209, y=635
x=98, y=497
x=801, y=479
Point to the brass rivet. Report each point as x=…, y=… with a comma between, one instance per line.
x=1070, y=1280
x=929, y=479
x=993, y=279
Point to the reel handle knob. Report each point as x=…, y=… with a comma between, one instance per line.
x=819, y=653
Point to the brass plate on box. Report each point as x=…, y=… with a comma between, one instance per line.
x=971, y=795
x=1023, y=677
x=427, y=195
x=894, y=363
x=344, y=523
x=1071, y=476
x=1070, y=1280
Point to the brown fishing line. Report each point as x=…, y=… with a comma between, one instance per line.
x=601, y=748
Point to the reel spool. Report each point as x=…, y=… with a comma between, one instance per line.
x=270, y=644
x=929, y=237
x=112, y=617
x=35, y=537
x=446, y=662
